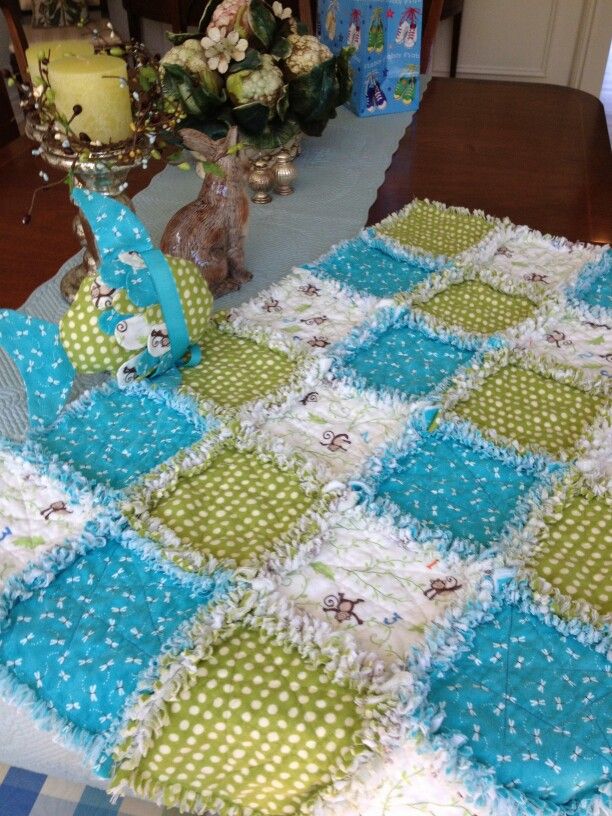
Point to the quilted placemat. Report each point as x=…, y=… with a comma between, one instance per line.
x=519, y=400
x=368, y=265
x=470, y=303
x=72, y=646
x=276, y=715
x=542, y=263
x=112, y=436
x=41, y=507
x=594, y=287
x=453, y=489
x=333, y=426
x=570, y=337
x=315, y=313
x=236, y=371
x=515, y=697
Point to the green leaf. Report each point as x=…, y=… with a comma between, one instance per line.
x=262, y=23
x=195, y=99
x=344, y=74
x=251, y=61
x=276, y=134
x=317, y=419
x=282, y=106
x=215, y=128
x=596, y=341
x=281, y=48
x=147, y=77
x=323, y=569
x=252, y=117
x=313, y=97
x=213, y=168
x=179, y=39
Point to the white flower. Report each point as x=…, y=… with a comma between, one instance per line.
x=280, y=12
x=220, y=48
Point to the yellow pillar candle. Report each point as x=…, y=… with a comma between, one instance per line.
x=99, y=85
x=56, y=49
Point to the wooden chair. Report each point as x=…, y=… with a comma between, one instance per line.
x=8, y=124
x=180, y=14
x=433, y=12
x=12, y=15
x=22, y=36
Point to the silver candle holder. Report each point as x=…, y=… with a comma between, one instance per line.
x=104, y=171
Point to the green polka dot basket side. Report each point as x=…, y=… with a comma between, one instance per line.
x=264, y=718
x=92, y=350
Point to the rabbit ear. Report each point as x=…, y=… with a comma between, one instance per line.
x=231, y=140
x=200, y=143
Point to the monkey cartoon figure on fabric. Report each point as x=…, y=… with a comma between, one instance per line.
x=342, y=607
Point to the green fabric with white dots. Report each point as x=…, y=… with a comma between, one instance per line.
x=259, y=727
x=91, y=350
x=536, y=411
x=575, y=550
x=476, y=307
x=236, y=370
x=436, y=230
x=234, y=508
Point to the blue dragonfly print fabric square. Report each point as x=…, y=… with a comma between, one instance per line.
x=361, y=266
x=80, y=644
x=113, y=436
x=461, y=494
x=531, y=703
x=396, y=354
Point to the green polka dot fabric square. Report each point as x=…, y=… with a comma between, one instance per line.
x=264, y=716
x=574, y=552
x=476, y=307
x=537, y=412
x=236, y=370
x=234, y=509
x=259, y=730
x=435, y=229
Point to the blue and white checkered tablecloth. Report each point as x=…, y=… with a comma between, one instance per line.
x=24, y=793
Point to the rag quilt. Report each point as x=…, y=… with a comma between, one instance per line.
x=347, y=552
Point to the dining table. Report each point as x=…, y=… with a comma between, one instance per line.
x=538, y=154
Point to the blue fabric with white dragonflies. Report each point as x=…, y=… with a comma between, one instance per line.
x=81, y=642
x=407, y=360
x=530, y=702
x=450, y=485
x=370, y=270
x=114, y=435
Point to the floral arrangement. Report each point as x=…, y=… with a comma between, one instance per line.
x=251, y=64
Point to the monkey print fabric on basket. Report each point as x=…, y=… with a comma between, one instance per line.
x=343, y=562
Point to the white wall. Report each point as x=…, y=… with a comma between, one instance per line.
x=564, y=42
